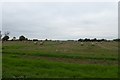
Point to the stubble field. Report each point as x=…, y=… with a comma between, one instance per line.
x=69, y=59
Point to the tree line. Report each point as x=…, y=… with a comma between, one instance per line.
x=95, y=39
x=22, y=38
x=6, y=37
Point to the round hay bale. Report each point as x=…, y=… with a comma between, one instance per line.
x=93, y=44
x=41, y=43
x=81, y=43
x=35, y=42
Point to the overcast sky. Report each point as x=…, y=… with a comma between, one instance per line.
x=61, y=20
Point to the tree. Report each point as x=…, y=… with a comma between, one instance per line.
x=86, y=39
x=5, y=38
x=46, y=39
x=80, y=39
x=95, y=39
x=21, y=38
x=26, y=39
x=14, y=38
x=35, y=39
x=116, y=39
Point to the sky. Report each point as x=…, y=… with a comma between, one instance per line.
x=59, y=0
x=60, y=20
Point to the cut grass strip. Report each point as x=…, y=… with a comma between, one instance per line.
x=73, y=56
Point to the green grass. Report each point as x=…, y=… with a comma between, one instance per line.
x=42, y=68
x=17, y=63
x=0, y=60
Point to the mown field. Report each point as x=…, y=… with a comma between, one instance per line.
x=59, y=60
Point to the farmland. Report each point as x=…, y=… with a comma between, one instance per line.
x=53, y=59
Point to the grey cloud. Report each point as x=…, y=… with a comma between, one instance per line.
x=61, y=20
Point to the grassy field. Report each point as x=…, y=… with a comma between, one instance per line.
x=59, y=60
x=0, y=59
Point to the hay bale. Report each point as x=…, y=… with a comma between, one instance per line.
x=35, y=42
x=93, y=44
x=41, y=43
x=81, y=43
